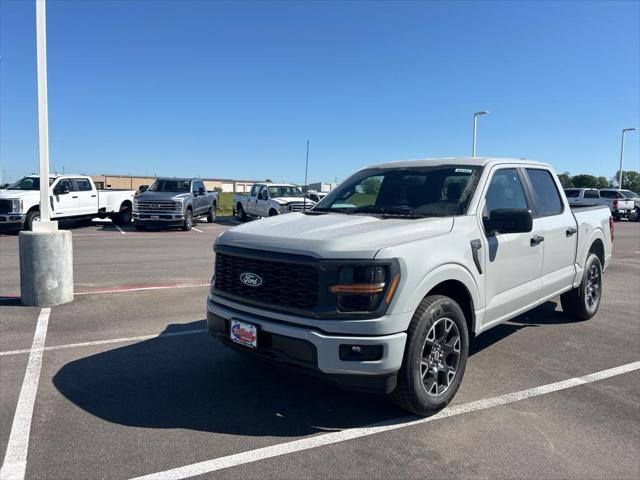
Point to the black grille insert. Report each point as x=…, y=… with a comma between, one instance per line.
x=5, y=206
x=282, y=284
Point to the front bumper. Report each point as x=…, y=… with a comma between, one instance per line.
x=158, y=219
x=314, y=351
x=12, y=218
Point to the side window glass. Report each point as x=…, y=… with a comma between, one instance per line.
x=505, y=191
x=590, y=193
x=264, y=195
x=65, y=184
x=545, y=194
x=83, y=184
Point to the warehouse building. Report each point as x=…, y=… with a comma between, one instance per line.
x=129, y=182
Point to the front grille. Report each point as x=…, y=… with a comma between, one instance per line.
x=160, y=206
x=299, y=207
x=5, y=206
x=283, y=284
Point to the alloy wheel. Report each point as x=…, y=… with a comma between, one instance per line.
x=440, y=356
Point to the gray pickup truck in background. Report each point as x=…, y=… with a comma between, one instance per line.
x=174, y=202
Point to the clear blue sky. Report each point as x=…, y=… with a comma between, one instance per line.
x=234, y=90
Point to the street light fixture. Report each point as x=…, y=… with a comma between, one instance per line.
x=475, y=127
x=624, y=130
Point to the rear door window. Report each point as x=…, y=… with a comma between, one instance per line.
x=591, y=193
x=82, y=184
x=545, y=193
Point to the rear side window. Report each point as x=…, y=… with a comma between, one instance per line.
x=545, y=194
x=572, y=193
x=83, y=184
x=591, y=194
x=505, y=191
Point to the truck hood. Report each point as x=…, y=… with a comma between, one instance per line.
x=159, y=196
x=35, y=194
x=285, y=200
x=332, y=235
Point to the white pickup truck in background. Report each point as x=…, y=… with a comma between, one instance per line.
x=72, y=197
x=381, y=286
x=269, y=199
x=619, y=206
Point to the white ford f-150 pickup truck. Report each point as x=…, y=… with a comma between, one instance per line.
x=71, y=197
x=382, y=285
x=270, y=199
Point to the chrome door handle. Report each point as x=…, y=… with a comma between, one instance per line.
x=571, y=231
x=536, y=240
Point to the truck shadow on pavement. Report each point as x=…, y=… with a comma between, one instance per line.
x=192, y=381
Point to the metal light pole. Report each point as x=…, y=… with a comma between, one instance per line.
x=43, y=117
x=306, y=188
x=46, y=253
x=624, y=130
x=475, y=127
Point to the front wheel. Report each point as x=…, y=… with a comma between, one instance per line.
x=32, y=217
x=435, y=357
x=188, y=221
x=583, y=301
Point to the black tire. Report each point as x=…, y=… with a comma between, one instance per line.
x=583, y=301
x=123, y=217
x=32, y=216
x=634, y=215
x=211, y=215
x=416, y=375
x=139, y=227
x=188, y=221
x=272, y=213
x=242, y=215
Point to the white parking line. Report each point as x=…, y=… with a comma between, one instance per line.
x=194, y=228
x=103, y=342
x=15, y=459
x=353, y=433
x=121, y=231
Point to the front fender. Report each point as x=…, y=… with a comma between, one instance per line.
x=443, y=273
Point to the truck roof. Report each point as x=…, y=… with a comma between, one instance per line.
x=474, y=161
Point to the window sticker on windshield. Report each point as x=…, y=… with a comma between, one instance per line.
x=463, y=170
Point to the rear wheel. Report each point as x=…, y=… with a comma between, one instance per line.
x=211, y=215
x=272, y=213
x=435, y=357
x=123, y=217
x=634, y=215
x=583, y=301
x=242, y=215
x=32, y=217
x=188, y=221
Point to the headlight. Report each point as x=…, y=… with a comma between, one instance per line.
x=16, y=205
x=361, y=288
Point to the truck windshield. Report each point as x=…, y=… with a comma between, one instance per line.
x=444, y=190
x=160, y=185
x=286, y=191
x=629, y=194
x=28, y=183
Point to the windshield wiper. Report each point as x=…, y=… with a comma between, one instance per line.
x=395, y=211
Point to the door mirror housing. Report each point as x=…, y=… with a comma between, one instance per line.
x=508, y=220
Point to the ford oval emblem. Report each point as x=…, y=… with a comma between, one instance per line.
x=251, y=279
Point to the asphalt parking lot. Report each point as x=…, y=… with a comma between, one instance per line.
x=124, y=382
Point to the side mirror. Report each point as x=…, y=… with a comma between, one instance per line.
x=509, y=220
x=201, y=191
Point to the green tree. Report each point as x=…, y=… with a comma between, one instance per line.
x=630, y=180
x=565, y=180
x=602, y=182
x=584, y=181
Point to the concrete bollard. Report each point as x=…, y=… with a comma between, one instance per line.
x=46, y=268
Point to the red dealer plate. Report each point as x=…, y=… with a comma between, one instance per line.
x=244, y=333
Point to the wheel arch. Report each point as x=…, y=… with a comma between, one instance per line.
x=454, y=281
x=126, y=204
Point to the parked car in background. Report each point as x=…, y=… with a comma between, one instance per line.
x=619, y=206
x=269, y=199
x=380, y=286
x=72, y=197
x=174, y=202
x=624, y=196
